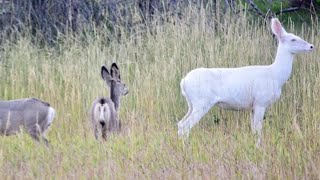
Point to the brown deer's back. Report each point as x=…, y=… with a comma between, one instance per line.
x=23, y=112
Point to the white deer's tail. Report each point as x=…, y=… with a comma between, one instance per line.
x=182, y=87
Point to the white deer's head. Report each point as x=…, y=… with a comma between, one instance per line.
x=288, y=41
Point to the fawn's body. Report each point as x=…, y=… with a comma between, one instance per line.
x=104, y=111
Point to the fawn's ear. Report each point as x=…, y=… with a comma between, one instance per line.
x=115, y=72
x=277, y=29
x=106, y=76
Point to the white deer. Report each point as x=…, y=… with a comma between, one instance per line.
x=32, y=114
x=252, y=88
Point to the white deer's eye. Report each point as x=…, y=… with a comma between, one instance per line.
x=293, y=40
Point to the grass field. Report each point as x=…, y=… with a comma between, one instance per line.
x=152, y=65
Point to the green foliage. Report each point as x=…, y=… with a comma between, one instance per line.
x=47, y=21
x=302, y=14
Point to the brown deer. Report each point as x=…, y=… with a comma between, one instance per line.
x=32, y=114
x=104, y=111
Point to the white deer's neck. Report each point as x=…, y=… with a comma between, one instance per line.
x=282, y=66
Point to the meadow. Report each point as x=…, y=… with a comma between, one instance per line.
x=221, y=146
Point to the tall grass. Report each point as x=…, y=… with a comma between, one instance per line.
x=152, y=65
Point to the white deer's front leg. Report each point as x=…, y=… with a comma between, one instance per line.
x=257, y=121
x=252, y=120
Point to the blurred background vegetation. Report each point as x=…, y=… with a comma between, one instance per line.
x=47, y=20
x=53, y=50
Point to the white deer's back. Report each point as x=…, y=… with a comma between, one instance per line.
x=233, y=88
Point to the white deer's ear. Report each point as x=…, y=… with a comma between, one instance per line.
x=277, y=28
x=105, y=75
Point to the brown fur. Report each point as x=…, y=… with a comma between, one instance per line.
x=31, y=114
x=104, y=111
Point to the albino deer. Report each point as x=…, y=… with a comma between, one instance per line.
x=104, y=111
x=33, y=115
x=252, y=88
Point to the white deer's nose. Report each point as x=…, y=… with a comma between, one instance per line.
x=311, y=46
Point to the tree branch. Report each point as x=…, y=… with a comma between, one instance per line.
x=231, y=4
x=256, y=9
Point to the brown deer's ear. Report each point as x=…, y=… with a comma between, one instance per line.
x=115, y=72
x=106, y=76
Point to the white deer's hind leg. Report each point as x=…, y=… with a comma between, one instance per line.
x=197, y=111
x=187, y=115
x=257, y=121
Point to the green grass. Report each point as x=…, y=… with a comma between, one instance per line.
x=152, y=65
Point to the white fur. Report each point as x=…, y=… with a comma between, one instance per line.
x=105, y=113
x=252, y=87
x=102, y=113
x=51, y=115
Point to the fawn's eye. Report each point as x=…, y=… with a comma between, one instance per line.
x=293, y=40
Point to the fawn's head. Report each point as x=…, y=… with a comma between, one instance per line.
x=288, y=41
x=113, y=80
